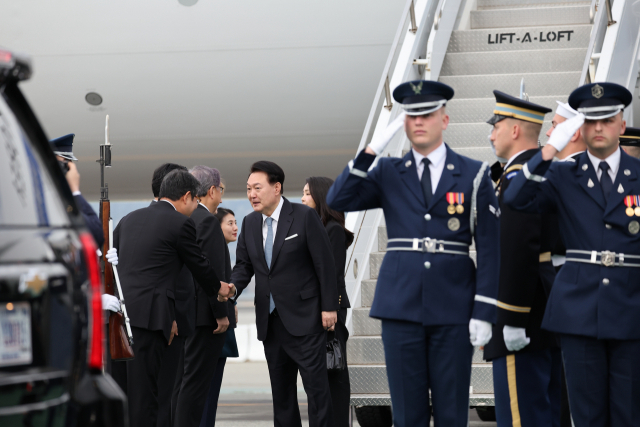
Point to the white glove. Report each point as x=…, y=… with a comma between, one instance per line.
x=515, y=338
x=112, y=256
x=563, y=133
x=479, y=332
x=111, y=303
x=380, y=142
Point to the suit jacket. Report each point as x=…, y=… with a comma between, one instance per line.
x=525, y=282
x=153, y=244
x=91, y=219
x=302, y=277
x=587, y=299
x=185, y=302
x=211, y=241
x=337, y=237
x=423, y=287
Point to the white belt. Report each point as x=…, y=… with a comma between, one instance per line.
x=428, y=245
x=606, y=258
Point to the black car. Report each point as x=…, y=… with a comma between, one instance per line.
x=51, y=321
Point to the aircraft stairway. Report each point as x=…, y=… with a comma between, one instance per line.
x=475, y=46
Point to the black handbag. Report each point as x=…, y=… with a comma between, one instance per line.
x=335, y=354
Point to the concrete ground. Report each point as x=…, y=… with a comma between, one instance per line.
x=245, y=397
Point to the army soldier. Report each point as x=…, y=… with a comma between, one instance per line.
x=595, y=300
x=526, y=359
x=630, y=142
x=431, y=298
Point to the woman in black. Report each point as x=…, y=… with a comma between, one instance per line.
x=315, y=196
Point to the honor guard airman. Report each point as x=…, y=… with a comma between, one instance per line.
x=431, y=297
x=630, y=142
x=526, y=359
x=595, y=300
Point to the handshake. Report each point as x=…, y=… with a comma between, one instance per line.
x=227, y=290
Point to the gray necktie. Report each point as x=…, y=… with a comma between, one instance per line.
x=268, y=251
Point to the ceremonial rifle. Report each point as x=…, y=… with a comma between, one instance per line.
x=120, y=336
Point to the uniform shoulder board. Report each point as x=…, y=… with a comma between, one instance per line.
x=512, y=171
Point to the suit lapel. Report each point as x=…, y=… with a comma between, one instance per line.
x=284, y=223
x=257, y=236
x=622, y=185
x=447, y=179
x=409, y=173
x=589, y=180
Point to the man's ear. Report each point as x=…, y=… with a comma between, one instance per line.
x=576, y=136
x=278, y=187
x=515, y=131
x=624, y=127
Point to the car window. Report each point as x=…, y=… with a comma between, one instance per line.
x=28, y=196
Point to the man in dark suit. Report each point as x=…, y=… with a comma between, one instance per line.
x=287, y=248
x=154, y=243
x=201, y=351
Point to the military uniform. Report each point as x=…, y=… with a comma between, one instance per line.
x=428, y=287
x=595, y=300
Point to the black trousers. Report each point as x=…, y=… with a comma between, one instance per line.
x=195, y=370
x=286, y=355
x=142, y=376
x=339, y=380
x=117, y=369
x=211, y=406
x=167, y=380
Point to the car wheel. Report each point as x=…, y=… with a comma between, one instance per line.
x=486, y=413
x=374, y=416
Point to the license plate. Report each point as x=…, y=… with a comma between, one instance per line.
x=15, y=334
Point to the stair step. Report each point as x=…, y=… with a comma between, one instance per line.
x=375, y=261
x=363, y=325
x=479, y=110
x=365, y=351
x=531, y=16
x=491, y=40
x=475, y=135
x=370, y=379
x=477, y=153
x=503, y=4
x=367, y=291
x=382, y=238
x=481, y=378
x=536, y=84
x=371, y=399
x=513, y=62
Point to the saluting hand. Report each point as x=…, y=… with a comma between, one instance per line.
x=329, y=319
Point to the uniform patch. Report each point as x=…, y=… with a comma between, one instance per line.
x=494, y=211
x=511, y=175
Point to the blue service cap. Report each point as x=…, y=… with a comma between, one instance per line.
x=508, y=106
x=600, y=100
x=421, y=97
x=63, y=146
x=630, y=137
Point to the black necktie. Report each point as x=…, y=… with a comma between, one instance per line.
x=426, y=181
x=605, y=179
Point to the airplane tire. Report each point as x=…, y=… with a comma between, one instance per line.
x=374, y=416
x=486, y=413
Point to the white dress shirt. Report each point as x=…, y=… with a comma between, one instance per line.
x=274, y=224
x=613, y=161
x=204, y=207
x=172, y=205
x=437, y=158
x=506, y=166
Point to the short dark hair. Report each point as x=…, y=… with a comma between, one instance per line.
x=177, y=183
x=273, y=171
x=159, y=174
x=222, y=212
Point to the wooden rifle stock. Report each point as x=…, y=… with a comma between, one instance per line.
x=119, y=345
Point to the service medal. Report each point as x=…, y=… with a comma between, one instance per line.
x=636, y=200
x=454, y=224
x=628, y=201
x=459, y=201
x=634, y=227
x=451, y=209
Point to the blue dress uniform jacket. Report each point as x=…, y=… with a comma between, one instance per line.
x=587, y=299
x=421, y=287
